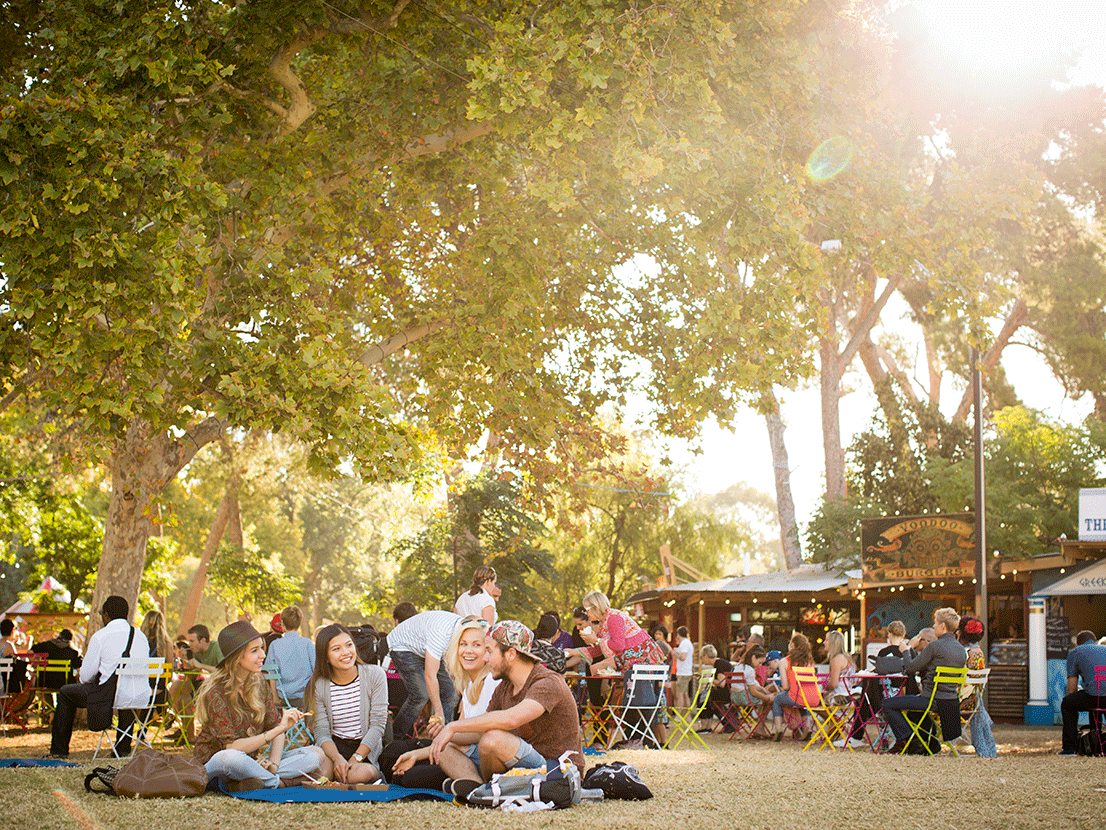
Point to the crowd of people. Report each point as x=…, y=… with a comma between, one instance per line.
x=478, y=695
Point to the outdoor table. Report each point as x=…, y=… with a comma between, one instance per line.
x=864, y=714
x=596, y=719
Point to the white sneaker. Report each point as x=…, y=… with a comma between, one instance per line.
x=856, y=743
x=840, y=743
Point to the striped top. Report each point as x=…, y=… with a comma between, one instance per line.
x=345, y=709
x=425, y=633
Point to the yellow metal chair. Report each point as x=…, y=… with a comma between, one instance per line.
x=946, y=675
x=683, y=721
x=830, y=719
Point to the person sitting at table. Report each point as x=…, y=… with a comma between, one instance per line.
x=926, y=658
x=798, y=655
x=751, y=693
x=1082, y=663
x=841, y=669
x=629, y=646
x=562, y=639
x=769, y=669
x=719, y=690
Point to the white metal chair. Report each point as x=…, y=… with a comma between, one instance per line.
x=971, y=696
x=146, y=668
x=636, y=720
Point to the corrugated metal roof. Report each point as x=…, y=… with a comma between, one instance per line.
x=801, y=579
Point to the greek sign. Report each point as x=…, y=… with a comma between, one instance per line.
x=915, y=548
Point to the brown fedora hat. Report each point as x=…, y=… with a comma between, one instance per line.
x=235, y=637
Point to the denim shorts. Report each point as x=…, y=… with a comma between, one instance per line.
x=527, y=757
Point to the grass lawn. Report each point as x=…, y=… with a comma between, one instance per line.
x=733, y=785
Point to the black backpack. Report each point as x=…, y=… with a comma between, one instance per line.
x=372, y=646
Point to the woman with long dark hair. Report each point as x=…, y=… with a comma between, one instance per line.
x=800, y=655
x=351, y=707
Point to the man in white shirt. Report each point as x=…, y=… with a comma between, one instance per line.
x=417, y=646
x=293, y=655
x=684, y=651
x=101, y=659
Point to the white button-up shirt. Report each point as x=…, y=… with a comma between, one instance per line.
x=102, y=655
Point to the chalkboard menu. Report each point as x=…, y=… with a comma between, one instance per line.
x=1057, y=637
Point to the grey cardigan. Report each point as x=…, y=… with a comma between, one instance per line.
x=374, y=709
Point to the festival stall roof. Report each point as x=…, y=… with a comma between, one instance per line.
x=1090, y=580
x=808, y=578
x=26, y=604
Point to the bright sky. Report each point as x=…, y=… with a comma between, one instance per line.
x=1002, y=31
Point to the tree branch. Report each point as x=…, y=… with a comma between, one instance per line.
x=1013, y=322
x=868, y=320
x=376, y=353
x=280, y=67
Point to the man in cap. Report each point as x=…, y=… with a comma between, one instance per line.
x=532, y=716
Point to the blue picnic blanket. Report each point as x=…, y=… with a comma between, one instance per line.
x=36, y=762
x=286, y=795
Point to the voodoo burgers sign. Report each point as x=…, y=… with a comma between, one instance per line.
x=900, y=549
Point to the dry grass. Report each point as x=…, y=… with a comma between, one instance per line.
x=735, y=784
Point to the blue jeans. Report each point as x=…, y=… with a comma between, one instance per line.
x=236, y=765
x=411, y=668
x=783, y=699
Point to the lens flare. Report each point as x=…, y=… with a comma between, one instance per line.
x=829, y=158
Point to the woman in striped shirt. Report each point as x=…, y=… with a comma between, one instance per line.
x=351, y=708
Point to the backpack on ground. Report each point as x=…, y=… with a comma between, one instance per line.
x=1090, y=742
x=151, y=774
x=557, y=785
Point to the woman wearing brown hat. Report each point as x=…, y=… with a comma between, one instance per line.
x=238, y=713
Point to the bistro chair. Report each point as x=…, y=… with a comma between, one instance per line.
x=635, y=720
x=947, y=675
x=299, y=732
x=830, y=719
x=971, y=696
x=683, y=721
x=146, y=668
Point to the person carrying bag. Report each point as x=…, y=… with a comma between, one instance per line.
x=99, y=689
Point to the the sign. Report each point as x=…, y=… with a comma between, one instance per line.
x=1057, y=637
x=916, y=548
x=1092, y=514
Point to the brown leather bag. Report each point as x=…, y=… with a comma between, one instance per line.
x=151, y=774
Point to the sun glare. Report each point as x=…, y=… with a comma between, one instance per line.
x=1004, y=34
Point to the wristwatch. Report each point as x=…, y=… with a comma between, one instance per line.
x=357, y=757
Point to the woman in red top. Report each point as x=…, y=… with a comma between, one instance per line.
x=238, y=711
x=799, y=654
x=628, y=644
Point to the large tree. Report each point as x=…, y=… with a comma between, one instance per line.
x=352, y=221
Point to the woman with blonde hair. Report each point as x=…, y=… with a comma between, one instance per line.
x=238, y=715
x=841, y=668
x=628, y=644
x=479, y=600
x=351, y=707
x=464, y=659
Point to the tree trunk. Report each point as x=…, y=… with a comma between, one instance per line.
x=785, y=504
x=199, y=579
x=142, y=464
x=830, y=377
x=616, y=552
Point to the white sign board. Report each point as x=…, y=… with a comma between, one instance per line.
x=1092, y=514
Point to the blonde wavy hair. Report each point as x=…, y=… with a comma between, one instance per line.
x=244, y=696
x=835, y=644
x=471, y=689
